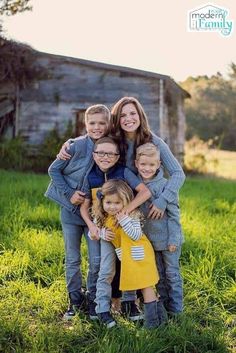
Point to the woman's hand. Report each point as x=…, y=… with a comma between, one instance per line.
x=77, y=198
x=155, y=212
x=62, y=153
x=94, y=231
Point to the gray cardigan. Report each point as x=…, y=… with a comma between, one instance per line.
x=166, y=231
x=171, y=166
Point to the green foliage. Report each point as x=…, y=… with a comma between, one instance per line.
x=12, y=7
x=197, y=158
x=32, y=286
x=210, y=112
x=13, y=154
x=18, y=65
x=17, y=155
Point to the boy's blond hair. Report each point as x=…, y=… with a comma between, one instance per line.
x=149, y=150
x=98, y=108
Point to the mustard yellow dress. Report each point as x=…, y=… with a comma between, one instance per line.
x=138, y=265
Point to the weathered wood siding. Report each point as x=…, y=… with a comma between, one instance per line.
x=69, y=85
x=50, y=102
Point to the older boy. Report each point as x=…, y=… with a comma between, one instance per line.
x=67, y=189
x=165, y=234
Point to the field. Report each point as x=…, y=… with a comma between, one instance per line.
x=226, y=163
x=33, y=294
x=214, y=162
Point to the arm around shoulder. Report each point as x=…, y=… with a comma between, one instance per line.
x=174, y=169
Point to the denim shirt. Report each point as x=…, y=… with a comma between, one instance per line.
x=71, y=175
x=166, y=231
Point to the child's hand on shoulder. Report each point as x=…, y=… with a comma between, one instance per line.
x=120, y=215
x=63, y=154
x=172, y=248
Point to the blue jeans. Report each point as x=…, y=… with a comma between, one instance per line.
x=72, y=239
x=170, y=285
x=105, y=277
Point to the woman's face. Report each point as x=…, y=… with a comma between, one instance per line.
x=129, y=119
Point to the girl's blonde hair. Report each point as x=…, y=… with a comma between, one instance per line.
x=112, y=187
x=143, y=134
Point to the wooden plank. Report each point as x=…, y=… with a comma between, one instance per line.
x=6, y=106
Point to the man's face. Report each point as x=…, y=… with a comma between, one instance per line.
x=96, y=125
x=105, y=156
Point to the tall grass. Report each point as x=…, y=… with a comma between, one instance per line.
x=32, y=286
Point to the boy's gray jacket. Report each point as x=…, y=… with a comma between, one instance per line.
x=166, y=231
x=70, y=175
x=171, y=165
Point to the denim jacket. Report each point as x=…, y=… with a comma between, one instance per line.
x=166, y=231
x=71, y=175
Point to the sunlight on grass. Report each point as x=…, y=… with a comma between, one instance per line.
x=33, y=292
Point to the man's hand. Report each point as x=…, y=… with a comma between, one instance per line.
x=62, y=153
x=155, y=212
x=77, y=198
x=172, y=248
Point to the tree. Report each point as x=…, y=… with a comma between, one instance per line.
x=210, y=114
x=12, y=7
x=18, y=69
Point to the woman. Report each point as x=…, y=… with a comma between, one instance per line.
x=129, y=125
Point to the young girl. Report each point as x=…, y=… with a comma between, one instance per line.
x=138, y=268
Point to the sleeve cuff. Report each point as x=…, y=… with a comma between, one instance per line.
x=69, y=194
x=161, y=203
x=124, y=220
x=174, y=240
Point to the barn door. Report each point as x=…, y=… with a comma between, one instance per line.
x=79, y=122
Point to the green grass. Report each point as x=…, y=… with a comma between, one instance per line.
x=32, y=287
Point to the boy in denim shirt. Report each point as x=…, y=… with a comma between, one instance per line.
x=68, y=178
x=165, y=234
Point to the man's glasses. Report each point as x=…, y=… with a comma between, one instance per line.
x=108, y=154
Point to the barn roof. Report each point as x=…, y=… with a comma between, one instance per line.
x=124, y=69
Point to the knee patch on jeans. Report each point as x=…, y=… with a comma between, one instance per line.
x=173, y=276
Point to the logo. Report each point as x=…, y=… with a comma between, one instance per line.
x=210, y=18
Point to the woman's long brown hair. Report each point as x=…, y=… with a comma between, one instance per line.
x=143, y=133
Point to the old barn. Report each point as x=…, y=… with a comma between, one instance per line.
x=69, y=85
